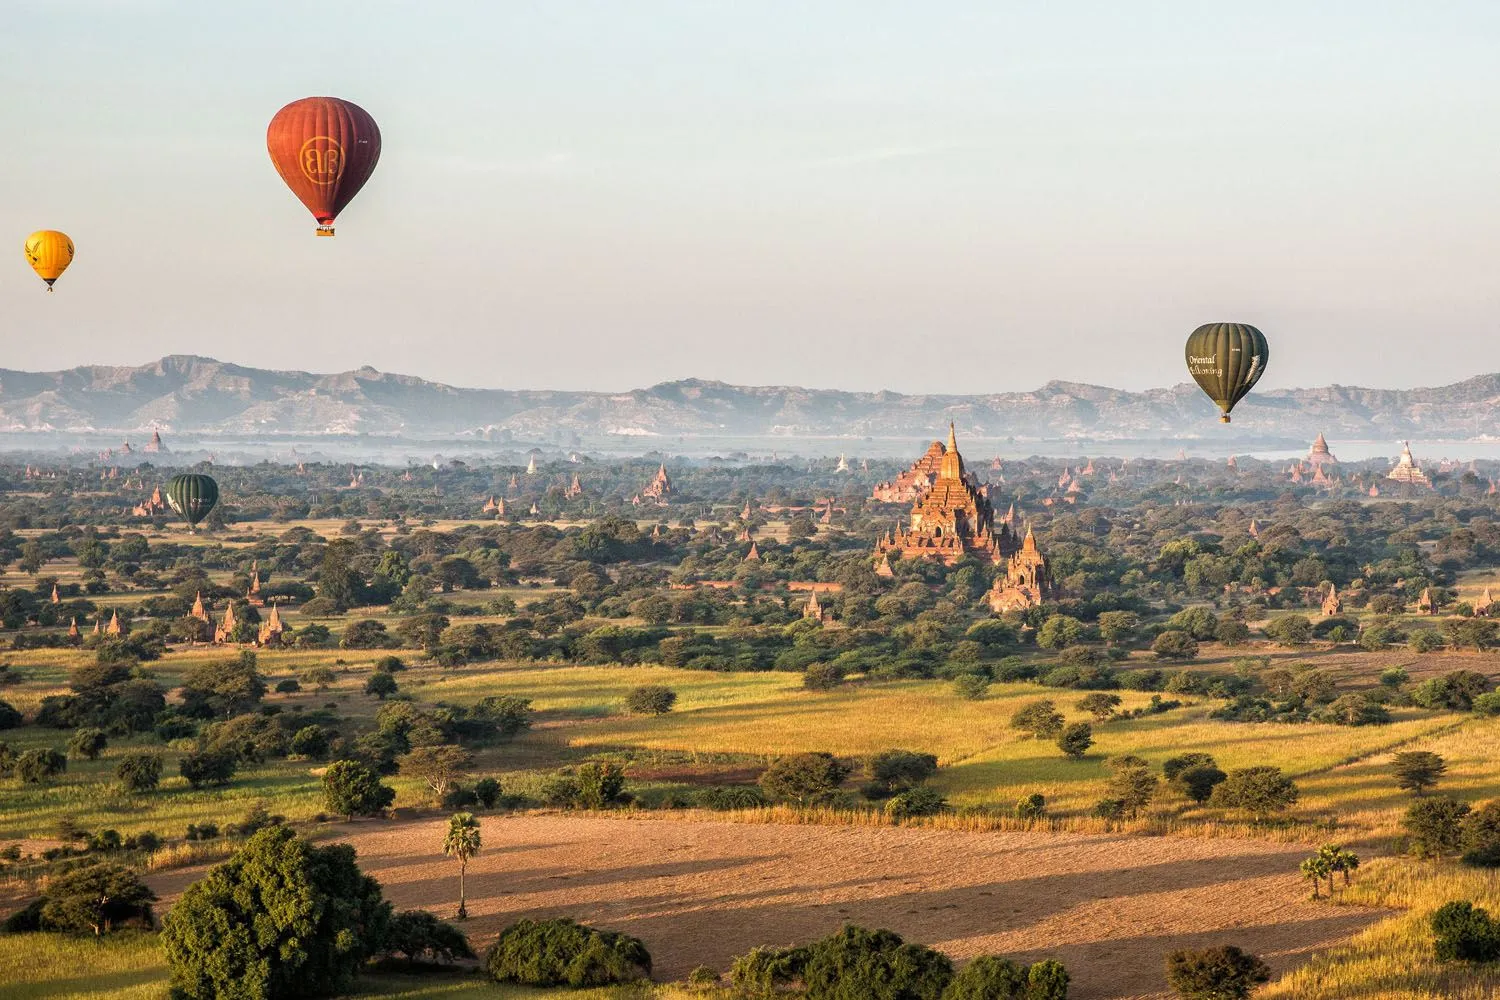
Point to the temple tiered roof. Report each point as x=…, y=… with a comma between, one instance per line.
x=952, y=519
x=1406, y=469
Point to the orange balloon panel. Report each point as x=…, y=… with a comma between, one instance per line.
x=325, y=149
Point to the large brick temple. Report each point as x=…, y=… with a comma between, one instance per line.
x=952, y=518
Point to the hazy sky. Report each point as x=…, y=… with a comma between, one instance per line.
x=972, y=196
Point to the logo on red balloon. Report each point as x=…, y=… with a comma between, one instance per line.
x=322, y=160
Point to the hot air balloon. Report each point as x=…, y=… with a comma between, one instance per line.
x=49, y=253
x=192, y=496
x=1226, y=360
x=325, y=149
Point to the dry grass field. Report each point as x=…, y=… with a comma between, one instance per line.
x=701, y=892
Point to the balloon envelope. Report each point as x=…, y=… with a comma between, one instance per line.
x=325, y=149
x=49, y=253
x=1226, y=360
x=192, y=496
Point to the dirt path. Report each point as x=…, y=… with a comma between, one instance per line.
x=702, y=892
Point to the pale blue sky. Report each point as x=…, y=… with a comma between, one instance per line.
x=606, y=195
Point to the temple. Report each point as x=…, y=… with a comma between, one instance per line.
x=661, y=486
x=575, y=488
x=1485, y=606
x=1027, y=581
x=1319, y=455
x=154, y=446
x=952, y=519
x=1332, y=604
x=1406, y=470
x=153, y=506
x=912, y=483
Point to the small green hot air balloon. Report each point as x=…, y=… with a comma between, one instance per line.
x=192, y=496
x=1226, y=360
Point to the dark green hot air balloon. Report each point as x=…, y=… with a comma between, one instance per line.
x=1226, y=360
x=192, y=496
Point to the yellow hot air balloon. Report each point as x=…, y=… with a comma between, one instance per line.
x=49, y=253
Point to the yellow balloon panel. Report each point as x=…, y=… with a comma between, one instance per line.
x=49, y=253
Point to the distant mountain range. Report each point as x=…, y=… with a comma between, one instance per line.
x=193, y=395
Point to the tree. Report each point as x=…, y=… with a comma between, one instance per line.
x=1172, y=767
x=1259, y=791
x=804, y=778
x=898, y=770
x=37, y=765
x=318, y=677
x=1232, y=632
x=1131, y=784
x=1222, y=973
x=96, y=898
x=1198, y=783
x=1290, y=630
x=462, y=842
x=1418, y=770
x=1315, y=869
x=822, y=676
x=139, y=772
x=367, y=634
x=280, y=919
x=1040, y=718
x=381, y=684
x=1175, y=645
x=1200, y=623
x=1435, y=825
x=1075, y=740
x=1479, y=835
x=204, y=768
x=223, y=689
x=1465, y=933
x=1060, y=632
x=87, y=743
x=1101, y=704
x=438, y=767
x=311, y=742
x=339, y=582
x=350, y=789
x=650, y=699
x=1116, y=627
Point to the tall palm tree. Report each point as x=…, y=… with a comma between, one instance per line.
x=462, y=842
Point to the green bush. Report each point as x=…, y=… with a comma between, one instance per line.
x=601, y=784
x=804, y=778
x=1479, y=834
x=990, y=978
x=971, y=687
x=764, y=971
x=822, y=676
x=1075, y=739
x=1465, y=933
x=650, y=699
x=418, y=936
x=860, y=964
x=1031, y=806
x=1222, y=973
x=1175, y=645
x=206, y=768
x=38, y=764
x=561, y=952
x=731, y=797
x=351, y=789
x=1435, y=826
x=916, y=802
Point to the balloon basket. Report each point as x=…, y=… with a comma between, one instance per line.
x=324, y=231
x=1224, y=418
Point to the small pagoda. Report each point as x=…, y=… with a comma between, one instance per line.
x=1332, y=603
x=1027, y=581
x=1319, y=455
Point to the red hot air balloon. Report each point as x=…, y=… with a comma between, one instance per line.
x=325, y=149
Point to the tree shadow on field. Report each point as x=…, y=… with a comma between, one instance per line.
x=687, y=919
x=103, y=984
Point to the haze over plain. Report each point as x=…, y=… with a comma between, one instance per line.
x=971, y=198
